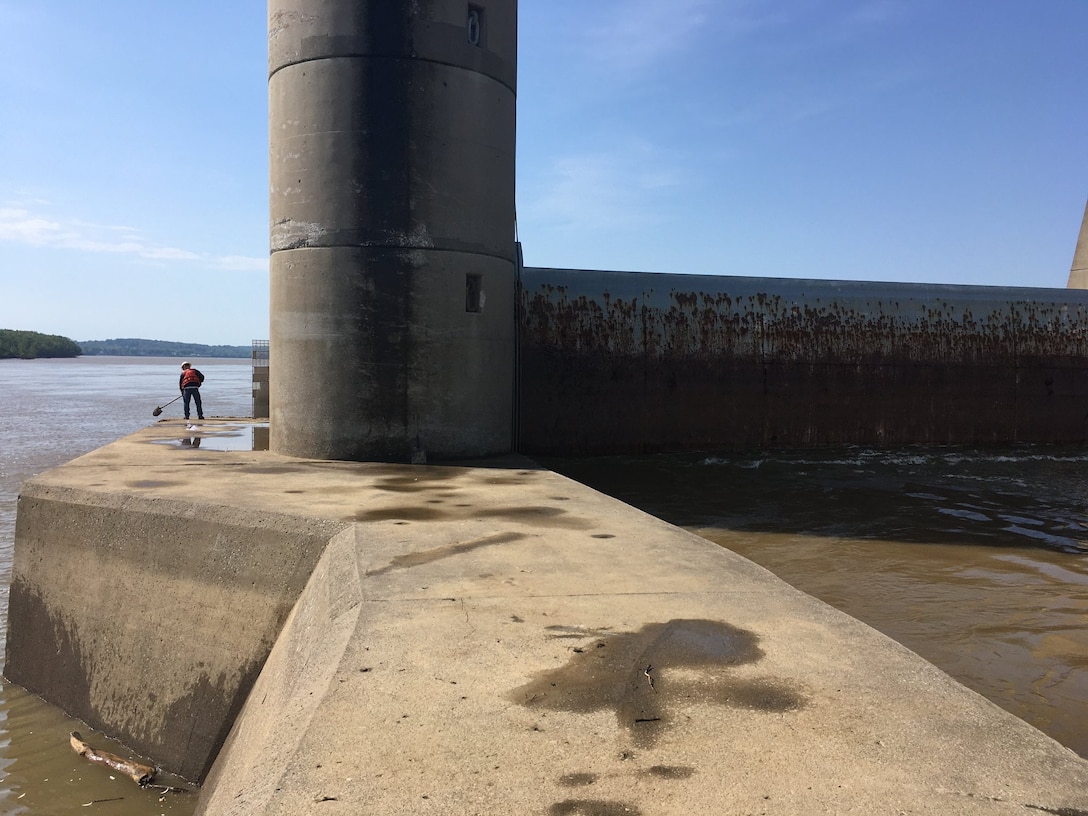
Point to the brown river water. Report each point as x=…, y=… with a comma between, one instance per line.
x=975, y=559
x=52, y=411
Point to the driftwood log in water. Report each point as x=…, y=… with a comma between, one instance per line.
x=138, y=772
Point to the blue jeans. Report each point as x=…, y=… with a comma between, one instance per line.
x=192, y=393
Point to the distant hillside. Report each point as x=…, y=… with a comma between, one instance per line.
x=138, y=347
x=29, y=345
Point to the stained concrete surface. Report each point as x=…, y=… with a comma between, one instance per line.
x=500, y=639
x=391, y=145
x=632, y=362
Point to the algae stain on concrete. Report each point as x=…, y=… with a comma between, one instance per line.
x=645, y=676
x=199, y=720
x=418, y=479
x=577, y=780
x=44, y=653
x=405, y=513
x=536, y=516
x=592, y=807
x=671, y=771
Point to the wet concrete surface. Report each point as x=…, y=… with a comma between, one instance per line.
x=643, y=675
x=220, y=435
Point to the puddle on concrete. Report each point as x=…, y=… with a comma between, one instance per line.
x=646, y=676
x=220, y=437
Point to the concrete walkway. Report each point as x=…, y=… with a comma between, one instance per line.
x=498, y=639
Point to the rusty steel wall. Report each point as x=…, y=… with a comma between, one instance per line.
x=622, y=362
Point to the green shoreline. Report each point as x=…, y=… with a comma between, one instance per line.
x=17, y=344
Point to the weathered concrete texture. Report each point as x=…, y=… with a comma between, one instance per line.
x=145, y=615
x=437, y=372
x=392, y=207
x=1078, y=272
x=625, y=362
x=478, y=640
x=508, y=641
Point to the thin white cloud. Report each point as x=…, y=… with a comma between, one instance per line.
x=82, y=244
x=241, y=263
x=875, y=13
x=638, y=35
x=168, y=254
x=22, y=226
x=96, y=227
x=807, y=84
x=619, y=188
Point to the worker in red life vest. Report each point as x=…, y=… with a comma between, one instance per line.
x=189, y=383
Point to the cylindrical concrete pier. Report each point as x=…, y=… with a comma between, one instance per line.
x=1078, y=272
x=392, y=227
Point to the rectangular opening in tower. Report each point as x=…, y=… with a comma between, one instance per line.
x=475, y=25
x=474, y=293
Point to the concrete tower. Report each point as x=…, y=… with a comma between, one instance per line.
x=392, y=227
x=1078, y=273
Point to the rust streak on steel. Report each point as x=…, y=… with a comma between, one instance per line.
x=640, y=362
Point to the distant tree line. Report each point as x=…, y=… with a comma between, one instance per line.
x=137, y=347
x=28, y=345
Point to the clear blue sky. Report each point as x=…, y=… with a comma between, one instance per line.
x=909, y=140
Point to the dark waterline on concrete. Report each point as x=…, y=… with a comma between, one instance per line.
x=52, y=411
